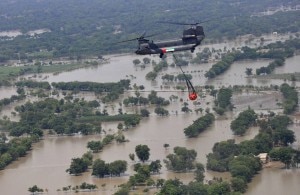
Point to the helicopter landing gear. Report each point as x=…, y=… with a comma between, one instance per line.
x=161, y=55
x=192, y=49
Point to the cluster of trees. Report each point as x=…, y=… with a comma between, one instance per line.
x=80, y=165
x=202, y=56
x=152, y=99
x=244, y=120
x=240, y=160
x=102, y=169
x=161, y=111
x=287, y=155
x=156, y=69
x=35, y=189
x=96, y=146
x=113, y=89
x=270, y=67
x=226, y=156
x=221, y=66
x=179, y=77
x=278, y=51
x=86, y=31
x=217, y=186
x=199, y=125
x=92, y=86
x=291, y=98
x=224, y=98
x=15, y=148
x=13, y=98
x=33, y=84
x=130, y=120
x=83, y=186
x=53, y=114
x=64, y=117
x=143, y=173
x=182, y=160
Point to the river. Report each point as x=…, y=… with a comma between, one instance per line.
x=45, y=165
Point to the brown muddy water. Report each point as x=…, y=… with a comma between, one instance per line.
x=45, y=165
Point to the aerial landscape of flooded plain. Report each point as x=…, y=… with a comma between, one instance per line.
x=51, y=156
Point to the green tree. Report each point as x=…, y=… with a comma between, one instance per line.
x=146, y=60
x=100, y=168
x=161, y=111
x=248, y=71
x=238, y=185
x=199, y=172
x=172, y=187
x=35, y=189
x=131, y=156
x=182, y=159
x=95, y=146
x=136, y=62
x=118, y=167
x=145, y=113
x=78, y=166
x=219, y=188
x=142, y=152
x=155, y=166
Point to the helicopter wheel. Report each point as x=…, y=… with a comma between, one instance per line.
x=192, y=50
x=161, y=55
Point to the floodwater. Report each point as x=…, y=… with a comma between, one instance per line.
x=7, y=92
x=45, y=165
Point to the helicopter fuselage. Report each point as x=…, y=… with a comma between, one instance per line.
x=187, y=42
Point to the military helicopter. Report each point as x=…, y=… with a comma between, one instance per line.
x=191, y=38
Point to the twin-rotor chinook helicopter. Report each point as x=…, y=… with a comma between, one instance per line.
x=191, y=38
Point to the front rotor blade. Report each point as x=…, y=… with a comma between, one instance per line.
x=127, y=40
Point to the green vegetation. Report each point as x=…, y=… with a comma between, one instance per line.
x=80, y=165
x=291, y=98
x=63, y=117
x=239, y=159
x=33, y=84
x=15, y=148
x=224, y=98
x=82, y=187
x=35, y=189
x=243, y=122
x=13, y=98
x=130, y=120
x=116, y=168
x=78, y=30
x=152, y=99
x=142, y=152
x=161, y=111
x=182, y=160
x=270, y=67
x=175, y=186
x=9, y=72
x=221, y=66
x=199, y=125
x=113, y=89
x=278, y=51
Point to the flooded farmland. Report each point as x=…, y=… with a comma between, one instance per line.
x=45, y=165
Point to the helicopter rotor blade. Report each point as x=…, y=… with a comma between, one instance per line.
x=179, y=23
x=127, y=40
x=139, y=38
x=196, y=23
